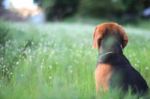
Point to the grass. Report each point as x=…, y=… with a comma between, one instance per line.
x=56, y=61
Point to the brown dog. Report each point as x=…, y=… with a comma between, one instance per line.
x=113, y=68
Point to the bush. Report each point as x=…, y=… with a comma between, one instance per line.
x=0, y=3
x=58, y=9
x=4, y=37
x=11, y=50
x=110, y=7
x=103, y=8
x=122, y=9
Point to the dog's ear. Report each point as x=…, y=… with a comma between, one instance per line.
x=97, y=35
x=123, y=36
x=95, y=38
x=125, y=40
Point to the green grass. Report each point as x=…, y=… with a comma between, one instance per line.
x=56, y=61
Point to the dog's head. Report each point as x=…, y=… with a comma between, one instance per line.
x=109, y=28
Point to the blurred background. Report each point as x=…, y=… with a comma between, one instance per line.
x=59, y=10
x=46, y=46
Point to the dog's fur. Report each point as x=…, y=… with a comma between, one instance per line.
x=113, y=68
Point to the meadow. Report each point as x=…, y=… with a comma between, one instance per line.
x=56, y=60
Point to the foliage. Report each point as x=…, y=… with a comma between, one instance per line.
x=58, y=9
x=101, y=7
x=1, y=3
x=109, y=8
x=122, y=9
x=47, y=3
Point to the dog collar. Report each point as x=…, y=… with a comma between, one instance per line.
x=102, y=55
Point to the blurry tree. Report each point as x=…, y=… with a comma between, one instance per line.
x=122, y=9
x=146, y=3
x=58, y=9
x=133, y=6
x=45, y=3
x=126, y=9
x=1, y=4
x=101, y=7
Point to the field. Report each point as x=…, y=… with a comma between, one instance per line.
x=57, y=61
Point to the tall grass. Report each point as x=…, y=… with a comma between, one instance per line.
x=56, y=61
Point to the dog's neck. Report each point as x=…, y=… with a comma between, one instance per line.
x=110, y=44
x=115, y=49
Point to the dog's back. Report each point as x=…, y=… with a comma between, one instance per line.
x=123, y=74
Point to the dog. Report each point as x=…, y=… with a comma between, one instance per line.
x=113, y=69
